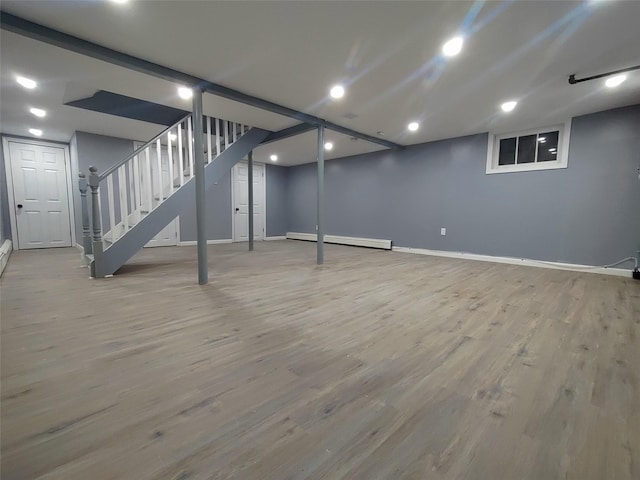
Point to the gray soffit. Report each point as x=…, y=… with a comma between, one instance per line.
x=129, y=107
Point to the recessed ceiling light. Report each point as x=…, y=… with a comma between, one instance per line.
x=38, y=112
x=413, y=126
x=452, y=47
x=274, y=158
x=508, y=106
x=337, y=91
x=328, y=146
x=615, y=81
x=26, y=82
x=185, y=92
x=120, y=1
x=172, y=136
x=35, y=131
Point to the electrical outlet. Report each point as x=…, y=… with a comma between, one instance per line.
x=443, y=231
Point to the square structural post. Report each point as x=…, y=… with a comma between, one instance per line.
x=320, y=211
x=201, y=205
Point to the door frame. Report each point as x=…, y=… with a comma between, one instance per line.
x=10, y=192
x=233, y=200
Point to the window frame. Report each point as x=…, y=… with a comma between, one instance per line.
x=562, y=159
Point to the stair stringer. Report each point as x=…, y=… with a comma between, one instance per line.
x=180, y=201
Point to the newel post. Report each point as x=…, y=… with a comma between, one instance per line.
x=86, y=225
x=94, y=182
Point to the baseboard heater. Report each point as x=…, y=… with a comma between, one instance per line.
x=340, y=240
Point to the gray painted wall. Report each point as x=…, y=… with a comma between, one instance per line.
x=588, y=213
x=277, y=212
x=218, y=213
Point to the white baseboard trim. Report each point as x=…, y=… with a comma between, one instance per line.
x=79, y=247
x=620, y=272
x=191, y=243
x=268, y=239
x=5, y=252
x=354, y=241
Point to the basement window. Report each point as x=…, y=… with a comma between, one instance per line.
x=540, y=149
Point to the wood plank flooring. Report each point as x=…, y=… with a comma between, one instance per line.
x=377, y=365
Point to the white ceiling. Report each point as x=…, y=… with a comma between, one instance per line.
x=387, y=53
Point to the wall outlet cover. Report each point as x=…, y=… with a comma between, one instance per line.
x=443, y=231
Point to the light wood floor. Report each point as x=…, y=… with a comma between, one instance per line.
x=378, y=365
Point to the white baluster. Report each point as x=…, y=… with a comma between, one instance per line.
x=209, y=140
x=170, y=155
x=149, y=180
x=159, y=164
x=190, y=147
x=131, y=188
x=217, y=136
x=225, y=125
x=136, y=188
x=124, y=198
x=180, y=155
x=112, y=208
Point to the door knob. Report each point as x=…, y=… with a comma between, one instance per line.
x=19, y=205
x=237, y=209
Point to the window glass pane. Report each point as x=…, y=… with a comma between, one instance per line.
x=507, y=154
x=548, y=146
x=527, y=149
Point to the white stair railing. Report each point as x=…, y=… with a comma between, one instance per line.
x=138, y=184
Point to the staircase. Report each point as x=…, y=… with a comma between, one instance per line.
x=140, y=195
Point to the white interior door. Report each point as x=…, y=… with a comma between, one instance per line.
x=40, y=192
x=241, y=202
x=168, y=236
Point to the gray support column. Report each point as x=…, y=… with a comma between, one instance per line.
x=320, y=213
x=96, y=224
x=86, y=224
x=198, y=160
x=250, y=187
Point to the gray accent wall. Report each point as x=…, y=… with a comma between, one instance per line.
x=277, y=212
x=588, y=213
x=219, y=219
